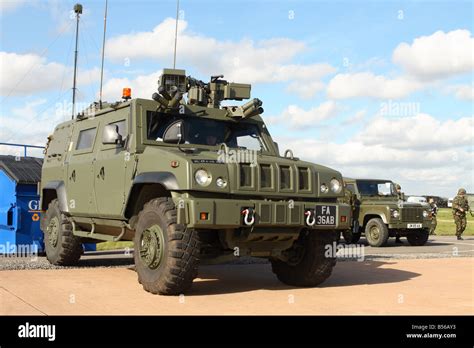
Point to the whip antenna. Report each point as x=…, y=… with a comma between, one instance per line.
x=78, y=12
x=176, y=34
x=103, y=54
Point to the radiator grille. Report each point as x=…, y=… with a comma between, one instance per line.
x=412, y=214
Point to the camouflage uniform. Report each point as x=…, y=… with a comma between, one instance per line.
x=434, y=212
x=401, y=197
x=460, y=207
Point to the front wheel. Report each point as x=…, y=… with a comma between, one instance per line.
x=418, y=238
x=63, y=248
x=309, y=262
x=376, y=232
x=166, y=253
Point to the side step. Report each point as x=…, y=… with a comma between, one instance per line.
x=99, y=236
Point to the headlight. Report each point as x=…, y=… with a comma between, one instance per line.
x=221, y=182
x=324, y=188
x=425, y=214
x=395, y=214
x=202, y=177
x=335, y=185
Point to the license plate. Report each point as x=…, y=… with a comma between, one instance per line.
x=414, y=225
x=325, y=215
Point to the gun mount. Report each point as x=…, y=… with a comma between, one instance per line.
x=174, y=84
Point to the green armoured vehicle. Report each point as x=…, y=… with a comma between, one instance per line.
x=187, y=180
x=379, y=212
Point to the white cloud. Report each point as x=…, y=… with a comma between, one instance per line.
x=298, y=118
x=142, y=86
x=247, y=61
x=8, y=5
x=356, y=118
x=366, y=84
x=425, y=155
x=418, y=132
x=30, y=123
x=438, y=55
x=23, y=74
x=462, y=92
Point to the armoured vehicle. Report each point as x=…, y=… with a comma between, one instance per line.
x=187, y=180
x=380, y=213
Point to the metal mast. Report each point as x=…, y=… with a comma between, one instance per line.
x=78, y=12
x=176, y=34
x=103, y=54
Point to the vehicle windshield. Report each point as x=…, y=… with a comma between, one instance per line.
x=376, y=188
x=202, y=131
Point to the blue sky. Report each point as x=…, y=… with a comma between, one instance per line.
x=327, y=73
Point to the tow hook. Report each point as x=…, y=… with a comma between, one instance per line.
x=310, y=219
x=249, y=216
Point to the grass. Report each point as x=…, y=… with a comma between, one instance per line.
x=114, y=245
x=446, y=226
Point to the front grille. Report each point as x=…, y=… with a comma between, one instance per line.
x=265, y=176
x=245, y=175
x=285, y=178
x=303, y=176
x=412, y=214
x=274, y=178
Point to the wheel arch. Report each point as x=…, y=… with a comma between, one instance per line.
x=374, y=215
x=147, y=186
x=55, y=189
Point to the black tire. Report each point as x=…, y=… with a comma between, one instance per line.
x=376, y=232
x=312, y=267
x=418, y=238
x=62, y=247
x=351, y=237
x=170, y=266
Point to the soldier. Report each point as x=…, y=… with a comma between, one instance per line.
x=460, y=207
x=434, y=212
x=401, y=197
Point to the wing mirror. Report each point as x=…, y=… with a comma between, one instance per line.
x=174, y=133
x=111, y=135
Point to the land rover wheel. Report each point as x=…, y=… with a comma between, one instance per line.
x=376, y=232
x=418, y=238
x=350, y=237
x=166, y=253
x=62, y=247
x=307, y=264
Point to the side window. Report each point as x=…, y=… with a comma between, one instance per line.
x=86, y=138
x=121, y=127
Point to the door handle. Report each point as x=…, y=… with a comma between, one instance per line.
x=102, y=173
x=73, y=176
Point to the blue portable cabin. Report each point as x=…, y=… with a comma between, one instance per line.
x=19, y=210
x=20, y=231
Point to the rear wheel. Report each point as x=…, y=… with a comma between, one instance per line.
x=376, y=232
x=307, y=265
x=419, y=237
x=62, y=247
x=166, y=253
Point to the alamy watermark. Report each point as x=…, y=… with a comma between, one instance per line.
x=19, y=250
x=399, y=109
x=237, y=156
x=343, y=251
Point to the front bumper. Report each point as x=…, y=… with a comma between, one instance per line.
x=227, y=213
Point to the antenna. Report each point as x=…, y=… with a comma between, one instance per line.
x=78, y=11
x=176, y=34
x=103, y=53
